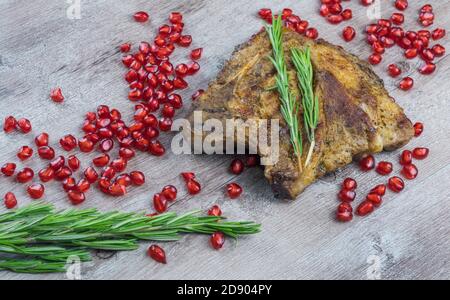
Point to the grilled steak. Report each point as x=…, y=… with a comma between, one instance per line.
x=357, y=115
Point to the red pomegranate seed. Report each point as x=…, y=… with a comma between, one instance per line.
x=410, y=171
x=25, y=153
x=438, y=33
x=324, y=10
x=367, y=163
x=349, y=184
x=234, y=190
x=215, y=211
x=217, y=240
x=123, y=179
x=193, y=186
x=91, y=175
x=25, y=175
x=375, y=199
x=375, y=59
x=126, y=47
x=237, y=166
x=119, y=164
x=384, y=168
x=58, y=163
x=406, y=158
x=83, y=185
x=56, y=95
x=406, y=83
x=10, y=124
x=85, y=145
x=396, y=184
x=160, y=203
x=394, y=70
x=141, y=16
x=41, y=139
x=302, y=28
x=175, y=17
x=265, y=13
x=427, y=55
x=366, y=2
x=197, y=94
x=335, y=19
x=344, y=216
x=46, y=174
x=24, y=125
x=109, y=172
x=411, y=53
x=10, y=200
x=193, y=68
x=420, y=153
x=101, y=161
x=46, y=152
x=379, y=190
x=157, y=254
x=344, y=207
x=36, y=190
x=426, y=8
x=8, y=169
x=117, y=189
x=156, y=148
x=137, y=178
x=347, y=14
x=179, y=83
x=168, y=110
x=312, y=33
x=418, y=129
x=63, y=173
x=401, y=4
x=349, y=33
x=169, y=192
x=346, y=195
x=438, y=50
x=76, y=197
x=427, y=68
x=252, y=161
x=365, y=208
x=185, y=41
x=196, y=54
x=68, y=142
x=106, y=145
x=397, y=18
x=69, y=184
x=188, y=176
x=126, y=153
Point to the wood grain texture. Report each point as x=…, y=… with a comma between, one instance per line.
x=41, y=48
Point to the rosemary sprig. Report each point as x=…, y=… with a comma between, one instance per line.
x=310, y=102
x=41, y=239
x=289, y=104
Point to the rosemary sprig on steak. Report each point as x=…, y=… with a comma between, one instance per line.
x=310, y=102
x=37, y=239
x=289, y=104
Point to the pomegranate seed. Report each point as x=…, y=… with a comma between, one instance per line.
x=312, y=33
x=418, y=129
x=217, y=240
x=215, y=211
x=379, y=190
x=384, y=168
x=237, y=167
x=252, y=161
x=101, y=161
x=375, y=199
x=349, y=184
x=156, y=148
x=24, y=125
x=46, y=152
x=427, y=68
x=58, y=163
x=345, y=206
x=123, y=179
x=85, y=145
x=69, y=184
x=367, y=163
x=10, y=200
x=126, y=47
x=56, y=95
x=438, y=33
x=83, y=185
x=179, y=83
x=234, y=190
x=410, y=171
x=126, y=153
x=68, y=142
x=426, y=8
x=420, y=153
x=41, y=139
x=401, y=4
x=117, y=189
x=406, y=158
x=196, y=54
x=193, y=186
x=366, y=2
x=10, y=124
x=137, y=178
x=46, y=174
x=394, y=70
x=63, y=173
x=119, y=164
x=188, y=176
x=106, y=145
x=141, y=16
x=24, y=175
x=411, y=53
x=265, y=13
x=109, y=172
x=169, y=192
x=302, y=28
x=396, y=184
x=344, y=216
x=438, y=50
x=157, y=254
x=36, y=190
x=197, y=94
x=346, y=195
x=185, y=41
x=406, y=83
x=375, y=59
x=91, y=175
x=347, y=14
x=348, y=33
x=160, y=203
x=24, y=153
x=76, y=197
x=397, y=18
x=168, y=110
x=335, y=19
x=427, y=55
x=365, y=208
x=193, y=68
x=8, y=169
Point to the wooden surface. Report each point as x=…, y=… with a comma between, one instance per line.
x=41, y=48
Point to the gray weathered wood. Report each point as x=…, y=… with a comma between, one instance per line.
x=41, y=48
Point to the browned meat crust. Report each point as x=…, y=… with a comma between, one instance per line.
x=357, y=115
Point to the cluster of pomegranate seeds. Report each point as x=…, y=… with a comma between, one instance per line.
x=291, y=21
x=334, y=13
x=10, y=124
x=192, y=185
